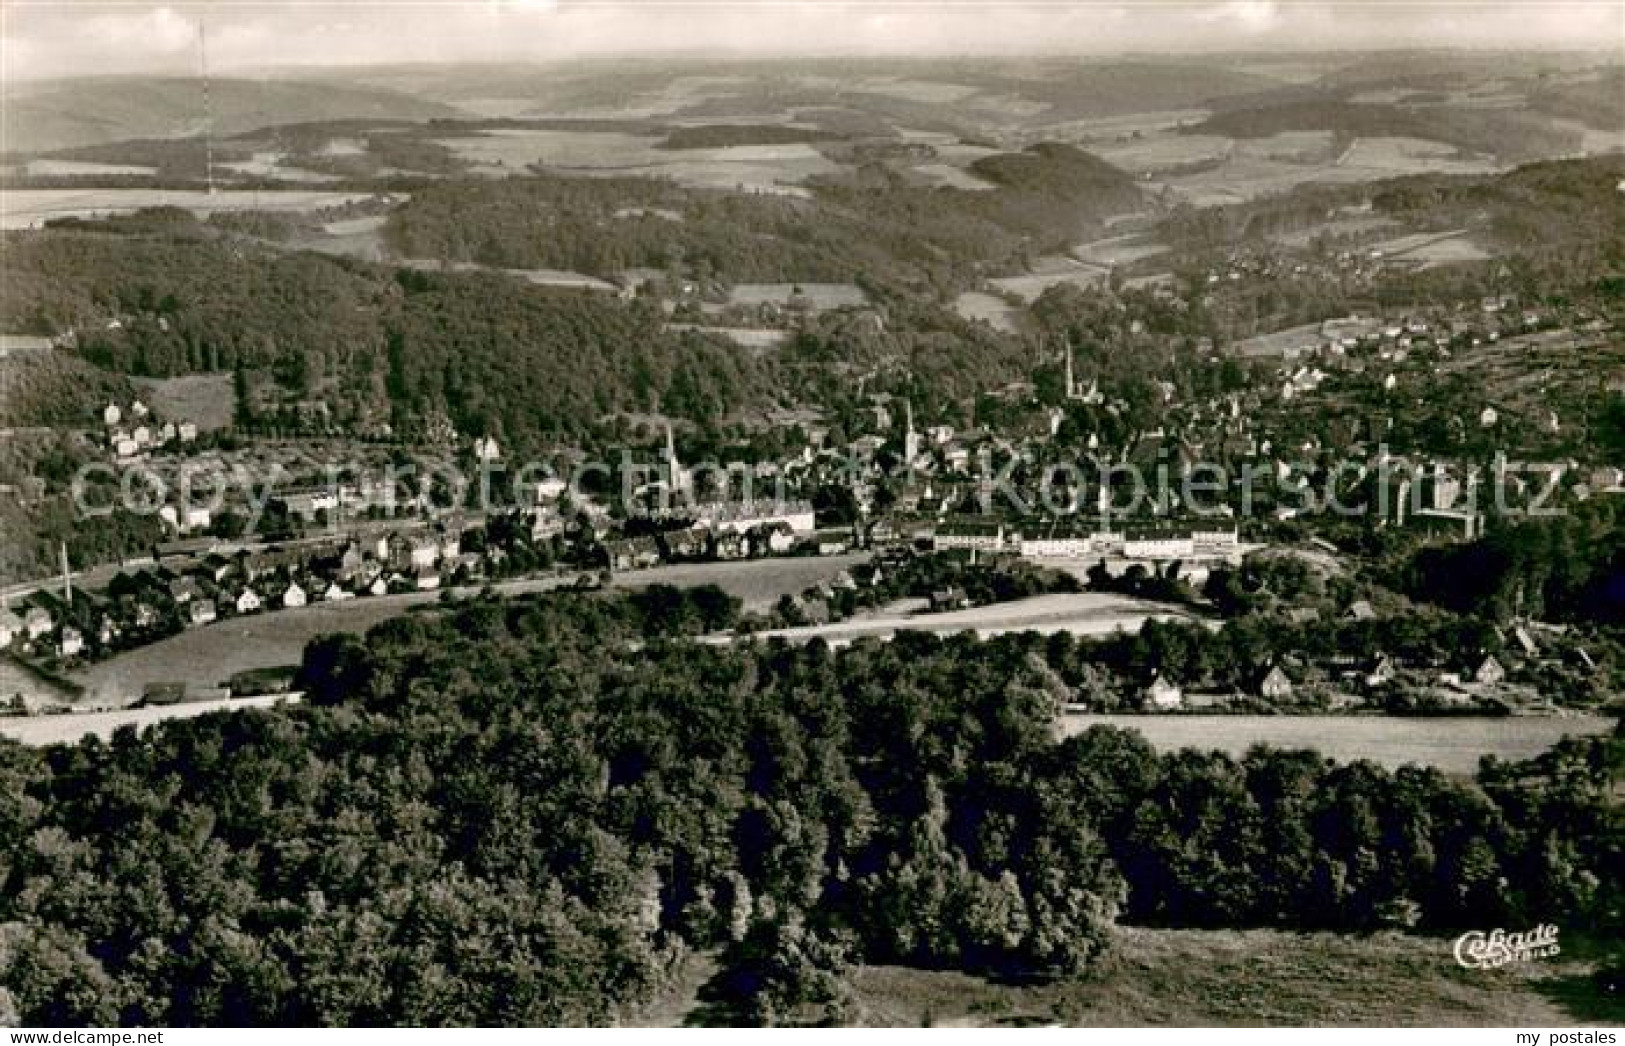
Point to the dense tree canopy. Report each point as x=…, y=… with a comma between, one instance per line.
x=485, y=815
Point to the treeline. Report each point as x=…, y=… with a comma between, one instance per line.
x=486, y=817
x=52, y=388
x=1566, y=569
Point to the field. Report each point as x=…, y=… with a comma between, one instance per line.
x=1453, y=744
x=206, y=400
x=1118, y=250
x=822, y=295
x=946, y=174
x=32, y=208
x=761, y=168
x=69, y=728
x=977, y=305
x=1432, y=248
x=204, y=658
x=1083, y=614
x=1163, y=152
x=1386, y=156
x=1049, y=271
x=1217, y=978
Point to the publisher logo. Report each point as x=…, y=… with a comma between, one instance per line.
x=1477, y=950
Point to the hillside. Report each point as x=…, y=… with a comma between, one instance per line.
x=68, y=113
x=492, y=352
x=1507, y=134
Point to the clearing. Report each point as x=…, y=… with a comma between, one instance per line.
x=1454, y=744
x=1219, y=978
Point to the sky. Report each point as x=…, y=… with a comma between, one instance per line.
x=52, y=38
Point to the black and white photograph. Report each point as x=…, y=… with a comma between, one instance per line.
x=825, y=514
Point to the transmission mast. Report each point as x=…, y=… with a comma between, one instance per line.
x=208, y=109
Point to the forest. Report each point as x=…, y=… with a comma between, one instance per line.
x=869, y=227
x=498, y=356
x=482, y=816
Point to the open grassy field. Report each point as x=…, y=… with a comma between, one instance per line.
x=995, y=311
x=1454, y=744
x=32, y=208
x=206, y=400
x=822, y=295
x=71, y=727
x=1218, y=978
x=1049, y=271
x=1081, y=613
x=766, y=168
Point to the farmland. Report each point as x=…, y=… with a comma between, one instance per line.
x=1048, y=272
x=1082, y=613
x=32, y=208
x=1453, y=744
x=759, y=168
x=68, y=728
x=995, y=311
x=820, y=295
x=206, y=400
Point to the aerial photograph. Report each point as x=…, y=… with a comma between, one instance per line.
x=834, y=514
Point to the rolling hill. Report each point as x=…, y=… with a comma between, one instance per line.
x=64, y=114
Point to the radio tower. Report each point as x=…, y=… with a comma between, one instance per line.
x=208, y=111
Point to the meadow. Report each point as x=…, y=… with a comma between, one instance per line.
x=1454, y=744
x=759, y=168
x=32, y=208
x=1248, y=978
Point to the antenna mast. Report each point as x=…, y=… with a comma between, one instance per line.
x=208, y=110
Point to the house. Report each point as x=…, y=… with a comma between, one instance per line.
x=948, y=599
x=72, y=643
x=424, y=551
x=780, y=537
x=201, y=612
x=1276, y=685
x=37, y=622
x=11, y=626
x=295, y=596
x=1489, y=672
x=379, y=586
x=335, y=592
x=449, y=543
x=1525, y=641
x=832, y=542
x=691, y=543
x=184, y=589
x=730, y=544
x=632, y=553
x=1163, y=694
x=974, y=535
x=248, y=601
x=1381, y=671
x=1361, y=610
x=426, y=579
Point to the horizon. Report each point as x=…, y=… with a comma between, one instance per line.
x=47, y=42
